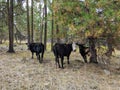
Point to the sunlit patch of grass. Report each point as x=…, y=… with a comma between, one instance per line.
x=101, y=50
x=48, y=47
x=49, y=55
x=19, y=54
x=4, y=44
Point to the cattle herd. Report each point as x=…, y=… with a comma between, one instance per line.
x=59, y=50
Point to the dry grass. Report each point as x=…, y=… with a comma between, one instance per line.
x=19, y=72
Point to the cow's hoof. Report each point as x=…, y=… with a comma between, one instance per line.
x=40, y=61
x=59, y=67
x=68, y=63
x=96, y=62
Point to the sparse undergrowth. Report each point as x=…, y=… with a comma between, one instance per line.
x=19, y=72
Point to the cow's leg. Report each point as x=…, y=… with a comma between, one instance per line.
x=85, y=58
x=40, y=60
x=58, y=62
x=32, y=55
x=68, y=60
x=38, y=56
x=42, y=56
x=62, y=58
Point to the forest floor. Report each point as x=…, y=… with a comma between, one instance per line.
x=19, y=72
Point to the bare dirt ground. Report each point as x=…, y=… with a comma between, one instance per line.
x=19, y=72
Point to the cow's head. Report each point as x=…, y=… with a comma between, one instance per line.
x=28, y=46
x=80, y=45
x=74, y=46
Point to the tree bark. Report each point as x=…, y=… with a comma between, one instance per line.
x=41, y=32
x=45, y=33
x=0, y=40
x=93, y=58
x=10, y=26
x=52, y=32
x=32, y=32
x=41, y=25
x=109, y=45
x=57, y=32
x=28, y=25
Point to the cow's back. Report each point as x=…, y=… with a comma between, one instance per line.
x=36, y=47
x=62, y=49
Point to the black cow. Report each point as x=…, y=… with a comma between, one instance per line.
x=83, y=51
x=37, y=48
x=61, y=50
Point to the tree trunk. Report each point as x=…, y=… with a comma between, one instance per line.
x=0, y=40
x=10, y=26
x=28, y=25
x=57, y=32
x=32, y=33
x=45, y=33
x=41, y=25
x=52, y=32
x=93, y=58
x=0, y=37
x=41, y=32
x=109, y=45
x=66, y=35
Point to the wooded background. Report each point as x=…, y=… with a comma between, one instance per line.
x=56, y=20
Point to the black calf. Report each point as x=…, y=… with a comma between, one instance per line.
x=61, y=50
x=37, y=48
x=83, y=52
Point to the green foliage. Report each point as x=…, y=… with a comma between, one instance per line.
x=81, y=18
x=95, y=17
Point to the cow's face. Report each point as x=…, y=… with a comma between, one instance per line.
x=74, y=46
x=28, y=45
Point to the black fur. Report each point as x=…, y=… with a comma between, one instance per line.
x=61, y=50
x=83, y=52
x=37, y=48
